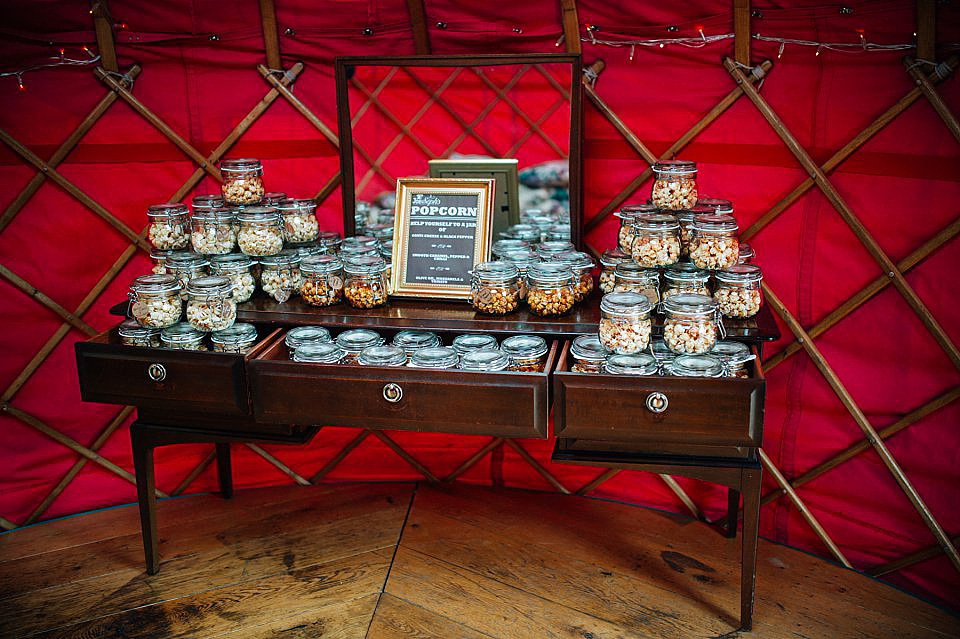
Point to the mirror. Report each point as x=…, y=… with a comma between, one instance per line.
x=514, y=118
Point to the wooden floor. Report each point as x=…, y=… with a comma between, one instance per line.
x=401, y=561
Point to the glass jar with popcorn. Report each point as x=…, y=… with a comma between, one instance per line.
x=522, y=259
x=239, y=338
x=484, y=360
x=365, y=285
x=213, y=231
x=210, y=306
x=685, y=219
x=625, y=324
x=299, y=220
x=169, y=226
x=280, y=276
x=643, y=364
x=242, y=181
x=674, y=185
x=608, y=263
x=656, y=240
x=738, y=293
x=588, y=354
x=527, y=353
x=694, y=366
x=329, y=242
x=302, y=335
x=690, y=325
x=182, y=337
x=582, y=266
x=383, y=355
x=633, y=278
x=155, y=300
x=715, y=245
x=322, y=283
x=735, y=356
x=684, y=277
x=259, y=231
x=628, y=215
x=187, y=265
x=239, y=268
x=495, y=288
x=132, y=334
x=550, y=289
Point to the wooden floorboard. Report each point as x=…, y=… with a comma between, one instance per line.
x=386, y=561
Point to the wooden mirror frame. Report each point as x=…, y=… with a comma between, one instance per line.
x=342, y=64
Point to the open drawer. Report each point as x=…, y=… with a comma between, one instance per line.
x=508, y=404
x=711, y=417
x=163, y=379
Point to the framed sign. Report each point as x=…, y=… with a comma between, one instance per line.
x=506, y=201
x=442, y=228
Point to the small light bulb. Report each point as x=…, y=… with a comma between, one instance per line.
x=632, y=51
x=818, y=51
x=780, y=52
x=662, y=45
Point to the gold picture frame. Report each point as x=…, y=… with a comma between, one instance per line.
x=442, y=229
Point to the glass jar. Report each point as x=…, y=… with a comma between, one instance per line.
x=359, y=244
x=259, y=231
x=299, y=220
x=634, y=364
x=628, y=215
x=656, y=240
x=685, y=219
x=527, y=353
x=132, y=334
x=694, y=366
x=690, y=325
x=546, y=250
x=484, y=360
x=582, y=266
x=674, y=185
x=746, y=254
x=502, y=247
x=559, y=233
x=274, y=198
x=386, y=252
x=303, y=335
x=355, y=340
x=522, y=259
x=630, y=277
x=159, y=259
x=187, y=265
x=382, y=232
x=473, y=342
x=207, y=203
x=239, y=268
x=716, y=205
x=155, y=300
x=685, y=278
x=239, y=338
x=495, y=288
x=384, y=355
x=738, y=291
x=734, y=356
x=329, y=242
x=280, y=277
x=435, y=357
x=625, y=324
x=305, y=249
x=242, y=181
x=214, y=231
x=169, y=226
x=182, y=337
x=318, y=353
x=413, y=341
x=364, y=283
x=322, y=280
x=608, y=264
x=525, y=232
x=210, y=305
x=715, y=245
x=550, y=289
x=588, y=354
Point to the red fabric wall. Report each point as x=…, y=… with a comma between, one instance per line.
x=904, y=184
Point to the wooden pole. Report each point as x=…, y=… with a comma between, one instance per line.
x=935, y=100
x=103, y=27
x=41, y=297
x=553, y=481
x=392, y=445
x=271, y=37
x=911, y=559
x=339, y=457
x=741, y=31
x=571, y=25
x=193, y=474
x=602, y=478
x=286, y=470
x=682, y=495
x=927, y=30
x=619, y=125
x=418, y=23
x=476, y=457
x=300, y=106
x=328, y=188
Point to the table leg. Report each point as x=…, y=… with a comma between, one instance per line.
x=146, y=496
x=733, y=506
x=750, y=488
x=224, y=470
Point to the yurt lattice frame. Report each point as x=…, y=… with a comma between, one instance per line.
x=924, y=72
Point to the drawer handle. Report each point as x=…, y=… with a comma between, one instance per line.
x=157, y=372
x=657, y=402
x=392, y=393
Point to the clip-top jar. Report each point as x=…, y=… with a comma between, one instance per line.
x=329, y=242
x=322, y=280
x=302, y=335
x=694, y=366
x=504, y=246
x=318, y=353
x=259, y=231
x=634, y=364
x=210, y=306
x=299, y=220
x=582, y=266
x=685, y=278
x=273, y=198
x=738, y=291
x=746, y=254
x=435, y=357
x=186, y=265
x=685, y=219
x=716, y=205
x=608, y=262
x=182, y=337
x=628, y=215
x=155, y=300
x=239, y=268
x=550, y=289
x=355, y=340
x=383, y=355
x=484, y=360
x=632, y=278
x=715, y=245
x=546, y=250
x=495, y=288
x=242, y=181
x=214, y=231
x=207, y=203
x=526, y=232
x=169, y=226
x=239, y=338
x=527, y=353
x=413, y=341
x=280, y=277
x=472, y=342
x=132, y=334
x=691, y=323
x=674, y=185
x=522, y=259
x=159, y=259
x=656, y=240
x=365, y=285
x=625, y=324
x=734, y=356
x=359, y=244
x=588, y=354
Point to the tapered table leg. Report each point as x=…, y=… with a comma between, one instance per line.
x=146, y=496
x=224, y=470
x=750, y=488
x=733, y=506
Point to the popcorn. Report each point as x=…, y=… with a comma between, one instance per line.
x=551, y=302
x=260, y=240
x=715, y=252
x=157, y=311
x=625, y=335
x=681, y=290
x=281, y=283
x=322, y=291
x=651, y=251
x=243, y=285
x=213, y=237
x=689, y=335
x=365, y=293
x=213, y=314
x=168, y=234
x=496, y=300
x=674, y=193
x=299, y=220
x=242, y=190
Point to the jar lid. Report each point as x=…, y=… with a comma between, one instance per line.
x=237, y=334
x=273, y=198
x=161, y=255
x=731, y=352
x=305, y=249
x=131, y=328
x=690, y=304
x=510, y=244
x=746, y=252
x=209, y=286
x=503, y=272
x=411, y=341
x=484, y=359
x=318, y=353
x=301, y=335
x=559, y=232
x=527, y=232
x=715, y=224
x=675, y=167
x=685, y=272
x=715, y=204
x=208, y=202
x=357, y=339
x=588, y=348
x=661, y=351
x=286, y=257
x=553, y=272
x=386, y=250
x=181, y=333
x=347, y=252
x=546, y=249
x=626, y=303
x=739, y=274
x=472, y=342
x=356, y=241
x=633, y=364
x=320, y=264
x=186, y=260
x=239, y=164
x=156, y=284
x=230, y=262
x=633, y=272
x=614, y=256
x=521, y=258
x=166, y=210
x=538, y=219
x=328, y=238
x=294, y=205
x=259, y=215
x=364, y=265
x=524, y=346
x=628, y=213
x=574, y=259
x=216, y=214
x=655, y=222
x=434, y=357
x=695, y=366
x=384, y=355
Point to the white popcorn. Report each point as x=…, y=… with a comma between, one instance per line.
x=242, y=190
x=625, y=335
x=281, y=283
x=674, y=193
x=213, y=239
x=260, y=240
x=738, y=302
x=646, y=289
x=656, y=250
x=681, y=290
x=168, y=234
x=300, y=227
x=689, y=336
x=243, y=285
x=157, y=311
x=714, y=251
x=607, y=280
x=211, y=315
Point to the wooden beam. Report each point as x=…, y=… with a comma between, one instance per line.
x=46, y=301
x=193, y=474
x=602, y=478
x=935, y=100
x=418, y=23
x=405, y=456
x=571, y=25
x=741, y=31
x=271, y=37
x=300, y=106
x=619, y=125
x=103, y=27
x=682, y=495
x=553, y=481
x=477, y=456
x=927, y=30
x=339, y=457
x=286, y=470
x=909, y=560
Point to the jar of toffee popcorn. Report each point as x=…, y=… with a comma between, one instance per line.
x=735, y=356
x=508, y=245
x=685, y=219
x=738, y=291
x=582, y=266
x=182, y=337
x=684, y=277
x=550, y=289
x=329, y=242
x=746, y=254
x=495, y=288
x=210, y=306
x=522, y=259
x=280, y=277
x=546, y=250
x=355, y=340
x=384, y=355
x=625, y=324
x=608, y=263
x=187, y=265
x=259, y=231
x=472, y=342
x=642, y=364
x=674, y=185
x=656, y=240
x=588, y=354
x=303, y=335
x=527, y=353
x=715, y=245
x=484, y=360
x=242, y=181
x=169, y=226
x=318, y=353
x=273, y=198
x=690, y=325
x=694, y=366
x=322, y=280
x=299, y=220
x=413, y=341
x=239, y=268
x=628, y=216
x=365, y=285
x=132, y=334
x=239, y=338
x=632, y=278
x=213, y=231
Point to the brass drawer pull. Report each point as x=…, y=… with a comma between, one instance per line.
x=657, y=402
x=392, y=393
x=157, y=372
